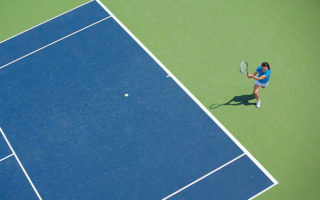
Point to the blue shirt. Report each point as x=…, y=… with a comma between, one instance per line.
x=266, y=73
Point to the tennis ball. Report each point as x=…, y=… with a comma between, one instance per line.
x=126, y=95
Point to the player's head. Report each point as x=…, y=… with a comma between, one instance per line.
x=265, y=66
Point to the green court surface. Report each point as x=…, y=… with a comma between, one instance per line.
x=202, y=42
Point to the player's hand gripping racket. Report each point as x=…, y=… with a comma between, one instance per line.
x=244, y=67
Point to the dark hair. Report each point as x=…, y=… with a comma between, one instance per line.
x=265, y=64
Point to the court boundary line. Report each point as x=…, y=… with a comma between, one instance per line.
x=6, y=157
x=43, y=47
x=46, y=21
x=20, y=164
x=262, y=191
x=205, y=176
x=256, y=162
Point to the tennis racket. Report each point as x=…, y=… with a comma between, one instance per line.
x=244, y=67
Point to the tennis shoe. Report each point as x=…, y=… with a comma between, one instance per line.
x=258, y=104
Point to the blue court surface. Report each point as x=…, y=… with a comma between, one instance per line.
x=87, y=112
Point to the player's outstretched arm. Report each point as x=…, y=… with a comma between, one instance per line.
x=259, y=78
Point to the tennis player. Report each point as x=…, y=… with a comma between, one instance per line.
x=261, y=81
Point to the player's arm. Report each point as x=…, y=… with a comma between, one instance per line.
x=259, y=78
x=251, y=75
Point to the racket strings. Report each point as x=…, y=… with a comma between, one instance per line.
x=244, y=67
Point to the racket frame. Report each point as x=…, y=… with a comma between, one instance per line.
x=246, y=67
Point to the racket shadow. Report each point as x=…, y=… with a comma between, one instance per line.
x=236, y=101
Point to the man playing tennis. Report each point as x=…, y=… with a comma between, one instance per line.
x=261, y=81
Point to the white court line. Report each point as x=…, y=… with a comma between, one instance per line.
x=21, y=166
x=203, y=177
x=54, y=42
x=46, y=21
x=262, y=191
x=191, y=95
x=2, y=159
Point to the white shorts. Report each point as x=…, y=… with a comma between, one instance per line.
x=256, y=82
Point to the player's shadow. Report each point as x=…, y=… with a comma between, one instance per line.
x=236, y=101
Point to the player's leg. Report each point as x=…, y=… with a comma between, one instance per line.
x=256, y=94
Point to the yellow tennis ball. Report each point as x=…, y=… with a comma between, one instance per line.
x=126, y=95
